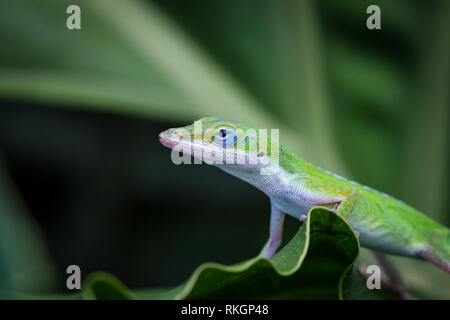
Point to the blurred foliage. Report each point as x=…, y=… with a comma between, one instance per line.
x=22, y=256
x=370, y=105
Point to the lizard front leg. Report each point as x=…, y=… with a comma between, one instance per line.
x=276, y=232
x=342, y=207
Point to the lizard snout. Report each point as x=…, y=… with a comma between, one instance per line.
x=164, y=139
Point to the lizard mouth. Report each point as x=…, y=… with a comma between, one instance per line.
x=166, y=142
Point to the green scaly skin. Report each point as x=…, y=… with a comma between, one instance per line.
x=383, y=222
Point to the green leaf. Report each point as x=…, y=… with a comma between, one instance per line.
x=311, y=266
x=103, y=286
x=24, y=261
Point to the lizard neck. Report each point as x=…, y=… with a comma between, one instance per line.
x=277, y=180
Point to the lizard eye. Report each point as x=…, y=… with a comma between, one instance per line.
x=222, y=133
x=225, y=137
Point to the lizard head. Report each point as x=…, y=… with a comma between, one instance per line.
x=232, y=146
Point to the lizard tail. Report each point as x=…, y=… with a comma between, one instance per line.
x=438, y=249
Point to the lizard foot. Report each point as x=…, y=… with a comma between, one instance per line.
x=335, y=207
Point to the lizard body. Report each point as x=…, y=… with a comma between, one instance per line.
x=295, y=186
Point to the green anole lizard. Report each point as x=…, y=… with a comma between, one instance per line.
x=294, y=186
